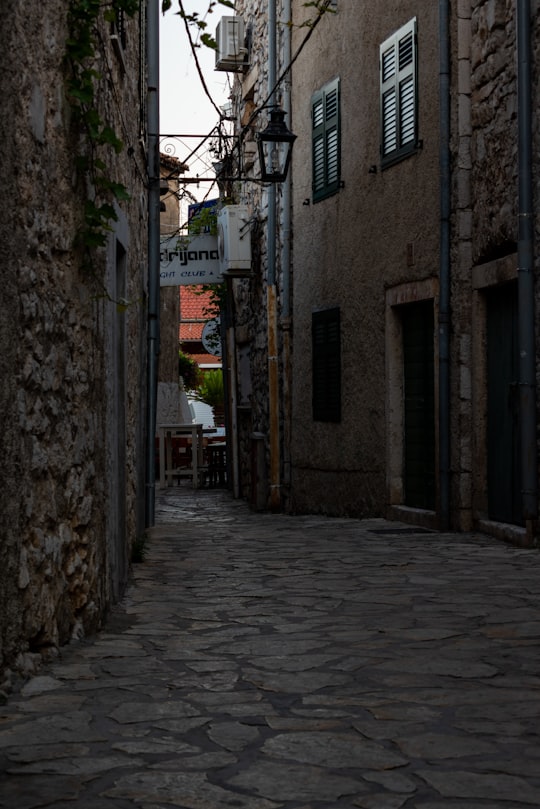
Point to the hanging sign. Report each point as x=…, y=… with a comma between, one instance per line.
x=184, y=262
x=211, y=337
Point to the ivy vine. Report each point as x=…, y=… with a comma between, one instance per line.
x=80, y=56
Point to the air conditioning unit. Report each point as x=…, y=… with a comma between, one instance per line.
x=234, y=239
x=230, y=54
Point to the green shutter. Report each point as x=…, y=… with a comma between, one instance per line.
x=326, y=141
x=399, y=94
x=326, y=365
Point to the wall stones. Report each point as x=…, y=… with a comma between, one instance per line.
x=493, y=115
x=67, y=510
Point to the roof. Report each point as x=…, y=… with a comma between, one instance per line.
x=194, y=304
x=173, y=163
x=206, y=359
x=191, y=331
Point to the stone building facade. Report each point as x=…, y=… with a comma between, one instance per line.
x=488, y=302
x=256, y=319
x=401, y=388
x=72, y=337
x=169, y=312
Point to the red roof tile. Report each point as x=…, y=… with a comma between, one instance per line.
x=191, y=331
x=206, y=359
x=193, y=305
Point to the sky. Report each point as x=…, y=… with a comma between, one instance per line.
x=184, y=108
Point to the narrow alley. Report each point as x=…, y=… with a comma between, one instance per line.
x=266, y=661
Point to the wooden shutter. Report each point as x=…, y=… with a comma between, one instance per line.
x=326, y=365
x=398, y=89
x=326, y=141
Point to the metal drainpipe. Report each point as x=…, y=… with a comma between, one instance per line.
x=271, y=295
x=153, y=253
x=526, y=300
x=444, y=267
x=286, y=259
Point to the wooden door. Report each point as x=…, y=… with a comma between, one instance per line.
x=503, y=441
x=419, y=405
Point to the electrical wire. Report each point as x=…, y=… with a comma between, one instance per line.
x=216, y=129
x=283, y=75
x=194, y=52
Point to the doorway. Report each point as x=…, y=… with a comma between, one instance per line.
x=418, y=405
x=503, y=427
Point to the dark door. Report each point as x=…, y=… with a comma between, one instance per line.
x=503, y=443
x=419, y=405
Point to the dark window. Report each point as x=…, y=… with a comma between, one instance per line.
x=326, y=141
x=398, y=88
x=326, y=340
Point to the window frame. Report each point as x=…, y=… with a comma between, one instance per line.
x=118, y=36
x=391, y=87
x=325, y=148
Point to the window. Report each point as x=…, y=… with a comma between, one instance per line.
x=398, y=87
x=326, y=141
x=119, y=37
x=326, y=364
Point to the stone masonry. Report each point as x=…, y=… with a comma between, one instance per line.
x=71, y=340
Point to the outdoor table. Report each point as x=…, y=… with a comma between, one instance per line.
x=166, y=432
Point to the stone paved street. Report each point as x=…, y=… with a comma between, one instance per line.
x=263, y=661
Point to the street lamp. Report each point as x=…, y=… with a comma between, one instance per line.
x=275, y=148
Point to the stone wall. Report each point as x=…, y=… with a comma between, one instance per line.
x=71, y=344
x=487, y=232
x=250, y=95
x=169, y=311
x=249, y=296
x=494, y=127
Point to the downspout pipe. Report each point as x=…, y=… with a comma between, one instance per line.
x=286, y=187
x=444, y=266
x=526, y=300
x=271, y=294
x=285, y=225
x=153, y=327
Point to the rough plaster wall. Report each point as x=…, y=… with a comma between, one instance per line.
x=56, y=509
x=351, y=247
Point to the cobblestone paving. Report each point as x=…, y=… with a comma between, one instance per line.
x=263, y=661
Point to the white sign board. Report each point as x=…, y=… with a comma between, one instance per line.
x=211, y=337
x=194, y=262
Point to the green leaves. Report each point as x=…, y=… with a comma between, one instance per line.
x=80, y=55
x=209, y=41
